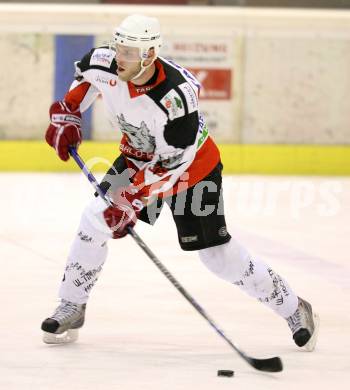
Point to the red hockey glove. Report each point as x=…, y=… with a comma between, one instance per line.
x=64, y=129
x=125, y=212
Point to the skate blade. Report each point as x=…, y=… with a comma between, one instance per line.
x=310, y=345
x=69, y=336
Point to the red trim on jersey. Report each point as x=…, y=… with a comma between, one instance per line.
x=205, y=161
x=138, y=90
x=207, y=157
x=76, y=95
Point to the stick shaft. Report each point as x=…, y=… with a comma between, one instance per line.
x=181, y=289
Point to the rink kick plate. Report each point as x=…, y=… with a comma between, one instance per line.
x=37, y=156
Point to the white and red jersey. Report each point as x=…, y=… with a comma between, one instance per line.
x=164, y=133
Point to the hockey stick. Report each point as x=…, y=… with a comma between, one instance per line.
x=273, y=364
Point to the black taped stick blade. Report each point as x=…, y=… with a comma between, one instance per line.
x=269, y=365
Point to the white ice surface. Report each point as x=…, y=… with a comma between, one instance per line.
x=140, y=333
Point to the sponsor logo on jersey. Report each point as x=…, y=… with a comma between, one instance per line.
x=143, y=89
x=203, y=131
x=102, y=80
x=135, y=153
x=191, y=97
x=174, y=105
x=102, y=57
x=105, y=80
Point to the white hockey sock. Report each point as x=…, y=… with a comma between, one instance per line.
x=233, y=263
x=87, y=254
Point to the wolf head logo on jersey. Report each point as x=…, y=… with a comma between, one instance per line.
x=138, y=137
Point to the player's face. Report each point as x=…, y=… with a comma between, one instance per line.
x=129, y=62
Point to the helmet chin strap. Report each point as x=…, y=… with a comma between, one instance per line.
x=143, y=55
x=143, y=68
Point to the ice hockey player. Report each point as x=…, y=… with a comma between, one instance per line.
x=167, y=156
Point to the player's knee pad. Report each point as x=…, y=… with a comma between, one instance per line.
x=229, y=261
x=233, y=263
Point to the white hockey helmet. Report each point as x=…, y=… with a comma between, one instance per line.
x=139, y=31
x=142, y=32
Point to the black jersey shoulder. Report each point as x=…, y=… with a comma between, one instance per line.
x=173, y=78
x=181, y=128
x=102, y=58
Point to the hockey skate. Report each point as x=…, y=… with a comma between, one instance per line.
x=62, y=327
x=304, y=325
